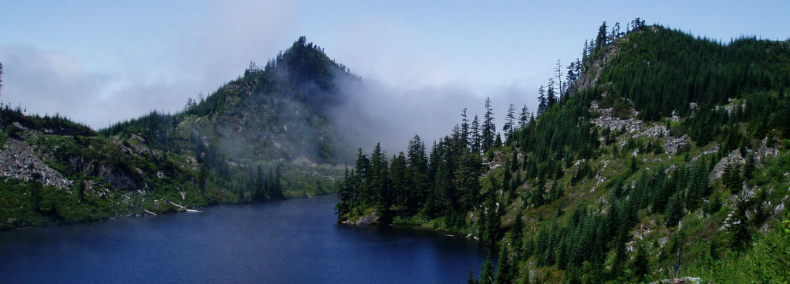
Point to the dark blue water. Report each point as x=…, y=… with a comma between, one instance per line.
x=291, y=241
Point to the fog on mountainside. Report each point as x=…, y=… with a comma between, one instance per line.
x=373, y=112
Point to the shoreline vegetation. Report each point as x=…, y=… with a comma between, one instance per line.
x=181, y=209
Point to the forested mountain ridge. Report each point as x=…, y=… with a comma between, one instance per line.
x=279, y=111
x=265, y=135
x=656, y=155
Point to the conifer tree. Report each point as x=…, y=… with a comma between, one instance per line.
x=674, y=211
x=584, y=51
x=487, y=273
x=551, y=96
x=786, y=118
x=398, y=184
x=80, y=188
x=537, y=195
x=640, y=265
x=601, y=39
x=570, y=77
x=344, y=196
x=524, y=117
x=542, y=102
x=489, y=129
x=475, y=136
x=740, y=235
x=748, y=169
x=379, y=181
x=465, y=129
x=510, y=120
x=505, y=267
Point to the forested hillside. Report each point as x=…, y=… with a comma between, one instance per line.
x=656, y=155
x=265, y=135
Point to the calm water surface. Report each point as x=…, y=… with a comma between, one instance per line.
x=291, y=241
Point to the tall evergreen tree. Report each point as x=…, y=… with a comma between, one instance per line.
x=570, y=77
x=465, y=129
x=362, y=169
x=489, y=129
x=640, y=265
x=749, y=168
x=551, y=95
x=584, y=51
x=740, y=234
x=505, y=268
x=398, y=182
x=674, y=211
x=80, y=188
x=510, y=120
x=542, y=101
x=379, y=179
x=417, y=174
x=344, y=196
x=487, y=273
x=537, y=195
x=786, y=118
x=475, y=136
x=524, y=117
x=601, y=39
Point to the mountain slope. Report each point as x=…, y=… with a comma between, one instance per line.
x=665, y=153
x=276, y=112
x=265, y=135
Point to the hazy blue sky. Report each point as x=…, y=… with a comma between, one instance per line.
x=103, y=61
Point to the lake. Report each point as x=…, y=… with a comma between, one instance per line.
x=289, y=241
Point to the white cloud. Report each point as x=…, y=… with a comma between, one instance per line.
x=208, y=54
x=50, y=82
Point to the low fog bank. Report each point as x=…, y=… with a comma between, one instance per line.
x=375, y=112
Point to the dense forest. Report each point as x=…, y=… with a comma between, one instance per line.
x=656, y=155
x=265, y=135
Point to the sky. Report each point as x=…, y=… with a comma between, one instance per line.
x=100, y=62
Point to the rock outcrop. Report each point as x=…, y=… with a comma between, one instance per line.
x=734, y=158
x=606, y=120
x=653, y=132
x=19, y=161
x=364, y=220
x=674, y=143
